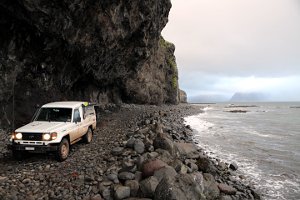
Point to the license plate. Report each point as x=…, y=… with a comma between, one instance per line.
x=29, y=148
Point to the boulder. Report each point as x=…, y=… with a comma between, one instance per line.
x=211, y=190
x=167, y=171
x=134, y=187
x=181, y=187
x=233, y=166
x=163, y=142
x=139, y=146
x=130, y=143
x=151, y=166
x=148, y=186
x=226, y=189
x=121, y=192
x=187, y=150
x=205, y=165
x=96, y=197
x=126, y=176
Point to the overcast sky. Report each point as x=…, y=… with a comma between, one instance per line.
x=228, y=46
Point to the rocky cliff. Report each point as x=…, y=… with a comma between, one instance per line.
x=101, y=51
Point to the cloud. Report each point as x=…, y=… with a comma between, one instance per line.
x=226, y=39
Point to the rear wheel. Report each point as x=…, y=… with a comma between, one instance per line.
x=63, y=150
x=87, y=138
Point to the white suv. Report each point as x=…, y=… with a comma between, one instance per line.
x=54, y=128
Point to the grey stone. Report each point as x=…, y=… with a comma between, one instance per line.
x=148, y=186
x=96, y=197
x=130, y=143
x=139, y=146
x=210, y=186
x=151, y=166
x=126, y=176
x=134, y=187
x=167, y=171
x=233, y=166
x=121, y=192
x=117, y=151
x=113, y=177
x=226, y=189
x=163, y=142
x=181, y=187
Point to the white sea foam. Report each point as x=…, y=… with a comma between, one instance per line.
x=272, y=186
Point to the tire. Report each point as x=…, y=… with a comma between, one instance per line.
x=19, y=155
x=63, y=150
x=87, y=138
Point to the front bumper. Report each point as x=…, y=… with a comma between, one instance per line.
x=33, y=148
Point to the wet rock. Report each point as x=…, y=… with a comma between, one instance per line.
x=233, y=166
x=148, y=186
x=121, y=192
x=205, y=165
x=187, y=150
x=151, y=166
x=139, y=146
x=210, y=186
x=226, y=189
x=126, y=176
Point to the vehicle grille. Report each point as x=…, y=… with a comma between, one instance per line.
x=32, y=136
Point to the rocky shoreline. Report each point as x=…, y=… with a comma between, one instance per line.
x=138, y=152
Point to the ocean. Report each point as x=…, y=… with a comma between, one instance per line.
x=262, y=138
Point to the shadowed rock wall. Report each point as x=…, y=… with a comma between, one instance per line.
x=106, y=51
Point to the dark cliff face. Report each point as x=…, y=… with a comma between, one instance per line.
x=101, y=51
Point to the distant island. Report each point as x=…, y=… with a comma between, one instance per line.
x=207, y=99
x=249, y=97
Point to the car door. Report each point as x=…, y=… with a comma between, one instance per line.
x=77, y=123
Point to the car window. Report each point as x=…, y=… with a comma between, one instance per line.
x=54, y=114
x=76, y=115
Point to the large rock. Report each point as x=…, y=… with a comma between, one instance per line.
x=148, y=186
x=181, y=187
x=134, y=187
x=151, y=166
x=165, y=172
x=163, y=142
x=226, y=189
x=205, y=165
x=211, y=190
x=121, y=192
x=99, y=51
x=126, y=176
x=187, y=150
x=139, y=146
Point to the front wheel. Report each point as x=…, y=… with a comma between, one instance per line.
x=63, y=150
x=87, y=138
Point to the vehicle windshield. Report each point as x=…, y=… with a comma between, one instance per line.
x=54, y=114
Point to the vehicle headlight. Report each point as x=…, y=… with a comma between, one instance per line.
x=46, y=136
x=18, y=136
x=53, y=136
